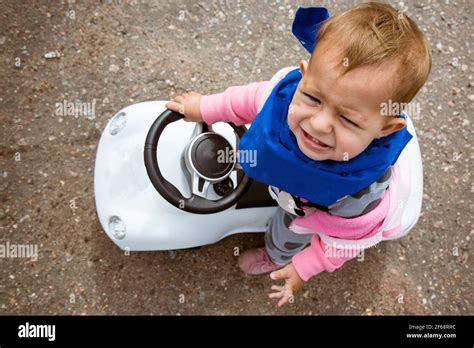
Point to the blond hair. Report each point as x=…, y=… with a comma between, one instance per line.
x=373, y=33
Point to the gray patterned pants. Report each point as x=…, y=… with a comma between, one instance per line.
x=282, y=243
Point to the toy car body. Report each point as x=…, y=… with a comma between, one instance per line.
x=154, y=192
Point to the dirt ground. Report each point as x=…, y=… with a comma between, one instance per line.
x=116, y=53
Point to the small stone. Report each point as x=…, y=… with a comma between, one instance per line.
x=202, y=296
x=26, y=217
x=3, y=39
x=471, y=97
x=114, y=68
x=439, y=46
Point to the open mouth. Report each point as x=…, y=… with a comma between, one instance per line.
x=314, y=143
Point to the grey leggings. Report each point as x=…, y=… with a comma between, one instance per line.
x=282, y=243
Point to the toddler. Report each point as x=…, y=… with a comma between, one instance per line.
x=332, y=183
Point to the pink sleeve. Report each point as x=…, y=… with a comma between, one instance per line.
x=318, y=257
x=238, y=104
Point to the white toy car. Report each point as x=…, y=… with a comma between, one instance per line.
x=158, y=184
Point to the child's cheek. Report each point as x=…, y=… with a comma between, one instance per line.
x=294, y=114
x=350, y=147
x=292, y=121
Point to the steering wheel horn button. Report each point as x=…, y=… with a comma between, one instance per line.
x=207, y=156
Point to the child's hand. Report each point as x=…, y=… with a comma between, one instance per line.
x=188, y=105
x=293, y=283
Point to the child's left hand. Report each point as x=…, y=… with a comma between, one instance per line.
x=293, y=283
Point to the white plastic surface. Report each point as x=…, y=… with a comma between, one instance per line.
x=122, y=188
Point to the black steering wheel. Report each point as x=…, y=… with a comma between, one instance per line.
x=203, y=153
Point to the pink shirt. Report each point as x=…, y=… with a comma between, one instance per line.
x=240, y=105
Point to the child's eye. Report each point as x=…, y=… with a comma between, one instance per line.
x=313, y=99
x=347, y=120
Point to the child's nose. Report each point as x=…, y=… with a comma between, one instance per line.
x=322, y=121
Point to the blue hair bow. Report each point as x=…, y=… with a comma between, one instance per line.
x=306, y=25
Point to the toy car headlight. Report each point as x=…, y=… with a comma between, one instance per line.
x=117, y=123
x=117, y=227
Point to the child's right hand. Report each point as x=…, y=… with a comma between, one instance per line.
x=187, y=104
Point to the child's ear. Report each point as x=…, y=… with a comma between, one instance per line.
x=303, y=66
x=393, y=125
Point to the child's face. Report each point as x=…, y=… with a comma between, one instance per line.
x=342, y=112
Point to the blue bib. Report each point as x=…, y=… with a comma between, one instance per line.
x=281, y=163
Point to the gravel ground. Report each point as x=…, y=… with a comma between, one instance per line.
x=116, y=53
